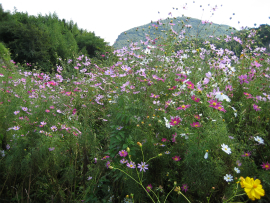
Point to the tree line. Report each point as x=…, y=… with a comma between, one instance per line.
x=44, y=39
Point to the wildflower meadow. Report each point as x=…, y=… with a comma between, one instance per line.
x=158, y=124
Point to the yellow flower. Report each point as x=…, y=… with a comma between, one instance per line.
x=253, y=188
x=242, y=181
x=177, y=189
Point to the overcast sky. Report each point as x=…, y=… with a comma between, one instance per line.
x=108, y=18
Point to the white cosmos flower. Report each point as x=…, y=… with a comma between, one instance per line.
x=226, y=149
x=259, y=139
x=228, y=177
x=206, y=155
x=220, y=96
x=236, y=170
x=167, y=122
x=184, y=135
x=235, y=114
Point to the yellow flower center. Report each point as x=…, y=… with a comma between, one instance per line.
x=183, y=106
x=246, y=154
x=174, y=122
x=214, y=103
x=266, y=166
x=254, y=186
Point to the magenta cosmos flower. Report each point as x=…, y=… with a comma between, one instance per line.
x=246, y=154
x=220, y=108
x=175, y=121
x=176, y=158
x=123, y=153
x=194, y=98
x=195, y=125
x=214, y=103
x=149, y=187
x=190, y=85
x=172, y=88
x=183, y=107
x=185, y=187
x=243, y=78
x=266, y=165
x=256, y=107
x=164, y=140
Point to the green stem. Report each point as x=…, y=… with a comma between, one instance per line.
x=168, y=195
x=136, y=182
x=184, y=196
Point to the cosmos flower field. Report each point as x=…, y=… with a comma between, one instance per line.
x=162, y=125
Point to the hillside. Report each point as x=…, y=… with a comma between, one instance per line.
x=191, y=27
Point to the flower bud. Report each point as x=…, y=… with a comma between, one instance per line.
x=128, y=149
x=110, y=167
x=160, y=154
x=139, y=144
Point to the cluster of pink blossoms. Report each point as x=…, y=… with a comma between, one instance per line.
x=216, y=105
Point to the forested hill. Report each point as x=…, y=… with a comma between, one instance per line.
x=44, y=39
x=193, y=27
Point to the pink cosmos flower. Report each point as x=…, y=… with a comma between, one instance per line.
x=74, y=111
x=185, y=187
x=108, y=164
x=246, y=154
x=174, y=136
x=24, y=108
x=197, y=117
x=16, y=112
x=248, y=95
x=220, y=108
x=176, y=158
x=266, y=165
x=164, y=140
x=256, y=107
x=52, y=83
x=243, y=78
x=123, y=153
x=154, y=96
x=47, y=110
x=149, y=187
x=196, y=124
x=123, y=161
x=190, y=85
x=105, y=157
x=172, y=88
x=54, y=128
x=214, y=103
x=131, y=165
x=194, y=98
x=238, y=163
x=183, y=107
x=175, y=121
